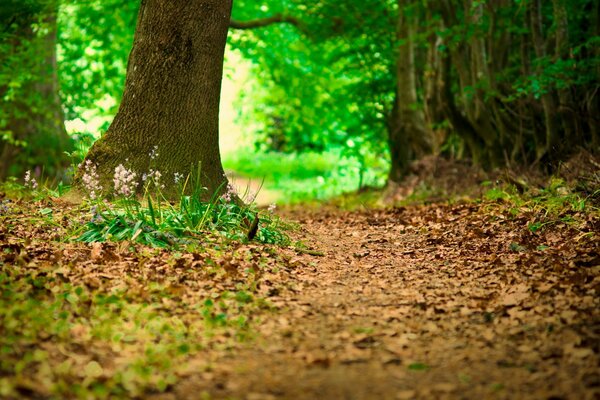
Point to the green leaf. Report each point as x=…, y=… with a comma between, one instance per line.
x=418, y=367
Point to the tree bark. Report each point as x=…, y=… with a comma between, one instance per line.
x=171, y=96
x=566, y=104
x=408, y=137
x=547, y=99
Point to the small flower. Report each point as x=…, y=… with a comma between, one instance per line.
x=91, y=180
x=229, y=193
x=4, y=208
x=29, y=181
x=96, y=216
x=154, y=176
x=154, y=153
x=177, y=177
x=271, y=208
x=124, y=181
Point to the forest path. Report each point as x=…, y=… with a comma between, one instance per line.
x=459, y=301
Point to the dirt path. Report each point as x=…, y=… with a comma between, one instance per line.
x=456, y=301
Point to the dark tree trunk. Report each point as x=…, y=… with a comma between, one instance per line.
x=547, y=99
x=34, y=117
x=408, y=137
x=400, y=154
x=565, y=99
x=171, y=97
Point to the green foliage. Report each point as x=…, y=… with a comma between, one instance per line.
x=31, y=126
x=323, y=91
x=554, y=204
x=417, y=366
x=310, y=175
x=95, y=39
x=161, y=224
x=164, y=225
x=332, y=81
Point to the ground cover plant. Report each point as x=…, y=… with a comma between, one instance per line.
x=103, y=314
x=493, y=297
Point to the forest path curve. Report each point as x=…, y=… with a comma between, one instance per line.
x=446, y=301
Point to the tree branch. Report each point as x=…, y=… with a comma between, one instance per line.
x=275, y=19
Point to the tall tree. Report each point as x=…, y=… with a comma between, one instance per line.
x=408, y=137
x=171, y=96
x=31, y=119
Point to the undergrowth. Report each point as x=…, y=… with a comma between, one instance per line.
x=102, y=321
x=161, y=224
x=155, y=221
x=545, y=207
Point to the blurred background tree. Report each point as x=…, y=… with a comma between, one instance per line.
x=32, y=128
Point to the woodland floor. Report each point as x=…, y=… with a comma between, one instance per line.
x=459, y=300
x=435, y=301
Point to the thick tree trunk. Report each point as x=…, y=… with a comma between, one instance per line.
x=171, y=97
x=34, y=117
x=408, y=137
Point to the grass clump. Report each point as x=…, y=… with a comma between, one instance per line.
x=164, y=225
x=157, y=222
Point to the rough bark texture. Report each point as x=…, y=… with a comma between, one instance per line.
x=171, y=97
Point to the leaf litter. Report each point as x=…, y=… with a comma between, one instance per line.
x=444, y=300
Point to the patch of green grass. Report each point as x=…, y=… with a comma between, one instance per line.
x=192, y=221
x=309, y=176
x=157, y=222
x=546, y=207
x=364, y=330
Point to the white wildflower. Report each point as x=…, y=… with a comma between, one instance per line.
x=154, y=177
x=272, y=208
x=91, y=180
x=251, y=196
x=229, y=193
x=154, y=153
x=124, y=181
x=30, y=182
x=177, y=177
x=96, y=216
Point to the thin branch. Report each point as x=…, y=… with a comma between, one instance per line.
x=275, y=19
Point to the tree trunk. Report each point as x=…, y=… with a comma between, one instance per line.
x=408, y=137
x=37, y=138
x=400, y=154
x=566, y=105
x=548, y=102
x=171, y=97
x=433, y=82
x=593, y=104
